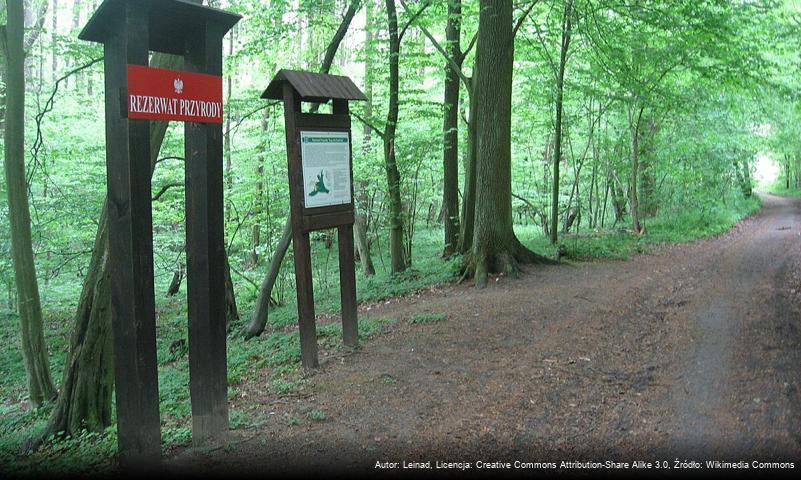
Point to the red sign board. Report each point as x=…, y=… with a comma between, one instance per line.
x=159, y=94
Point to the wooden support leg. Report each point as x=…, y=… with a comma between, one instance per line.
x=208, y=372
x=133, y=312
x=347, y=281
x=303, y=281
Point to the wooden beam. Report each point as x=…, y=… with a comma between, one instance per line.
x=347, y=262
x=300, y=238
x=131, y=253
x=208, y=373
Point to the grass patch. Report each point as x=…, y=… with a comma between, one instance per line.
x=686, y=225
x=317, y=415
x=780, y=188
x=421, y=318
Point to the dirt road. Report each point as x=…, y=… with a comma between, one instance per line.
x=690, y=352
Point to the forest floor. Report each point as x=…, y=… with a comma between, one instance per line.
x=692, y=351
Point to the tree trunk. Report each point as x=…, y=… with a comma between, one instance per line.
x=469, y=200
x=76, y=24
x=647, y=200
x=450, y=192
x=259, y=319
x=255, y=234
x=229, y=82
x=363, y=245
x=634, y=127
x=396, y=250
x=34, y=349
x=495, y=246
x=560, y=83
x=369, y=51
x=54, y=40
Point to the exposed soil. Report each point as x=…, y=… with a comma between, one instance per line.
x=690, y=352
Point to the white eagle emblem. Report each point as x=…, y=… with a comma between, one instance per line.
x=179, y=86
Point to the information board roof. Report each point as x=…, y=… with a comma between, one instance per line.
x=314, y=87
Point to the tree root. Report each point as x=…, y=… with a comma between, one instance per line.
x=507, y=262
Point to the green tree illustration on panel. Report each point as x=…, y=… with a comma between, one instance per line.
x=319, y=187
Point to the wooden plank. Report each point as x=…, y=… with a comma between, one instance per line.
x=330, y=220
x=300, y=239
x=131, y=254
x=208, y=374
x=347, y=262
x=307, y=121
x=347, y=286
x=329, y=209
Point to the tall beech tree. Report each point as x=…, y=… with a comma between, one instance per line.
x=496, y=248
x=34, y=349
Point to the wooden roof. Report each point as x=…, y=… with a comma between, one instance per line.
x=314, y=87
x=171, y=22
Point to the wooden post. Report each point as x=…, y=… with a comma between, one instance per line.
x=130, y=241
x=208, y=373
x=347, y=262
x=300, y=237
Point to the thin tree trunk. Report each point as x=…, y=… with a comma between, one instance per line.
x=369, y=51
x=76, y=24
x=255, y=235
x=229, y=175
x=396, y=220
x=34, y=348
x=560, y=83
x=469, y=200
x=363, y=245
x=634, y=127
x=259, y=319
x=450, y=192
x=54, y=40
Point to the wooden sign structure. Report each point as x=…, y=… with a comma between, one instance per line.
x=319, y=155
x=135, y=95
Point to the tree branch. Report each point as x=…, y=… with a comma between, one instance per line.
x=165, y=188
x=164, y=159
x=36, y=29
x=470, y=45
x=412, y=19
x=378, y=132
x=48, y=107
x=452, y=62
x=523, y=18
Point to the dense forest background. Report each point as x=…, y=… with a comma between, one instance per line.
x=632, y=122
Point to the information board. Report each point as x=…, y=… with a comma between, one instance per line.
x=326, y=168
